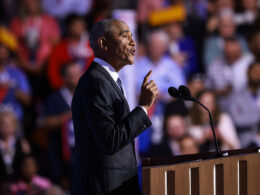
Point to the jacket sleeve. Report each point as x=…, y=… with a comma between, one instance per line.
x=111, y=134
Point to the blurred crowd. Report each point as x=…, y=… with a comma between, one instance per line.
x=214, y=49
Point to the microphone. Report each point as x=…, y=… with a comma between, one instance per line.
x=184, y=93
x=174, y=92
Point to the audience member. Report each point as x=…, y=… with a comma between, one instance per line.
x=182, y=49
x=214, y=44
x=200, y=128
x=12, y=147
x=214, y=8
x=222, y=4
x=254, y=43
x=188, y=145
x=101, y=9
x=14, y=87
x=245, y=106
x=58, y=122
x=175, y=127
x=181, y=107
x=246, y=19
x=196, y=83
x=61, y=9
x=75, y=46
x=178, y=107
x=229, y=73
x=37, y=33
x=163, y=66
x=145, y=7
x=29, y=181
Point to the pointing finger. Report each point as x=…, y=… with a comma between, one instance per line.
x=146, y=78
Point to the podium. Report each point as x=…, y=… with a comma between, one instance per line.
x=203, y=174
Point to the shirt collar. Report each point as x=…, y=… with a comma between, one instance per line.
x=110, y=69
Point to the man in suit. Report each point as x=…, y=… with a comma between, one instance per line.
x=105, y=128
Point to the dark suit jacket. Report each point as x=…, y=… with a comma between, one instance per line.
x=105, y=129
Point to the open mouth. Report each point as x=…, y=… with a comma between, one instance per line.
x=132, y=51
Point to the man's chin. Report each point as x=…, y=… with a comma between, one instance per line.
x=131, y=61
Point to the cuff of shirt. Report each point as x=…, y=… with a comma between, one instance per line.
x=143, y=109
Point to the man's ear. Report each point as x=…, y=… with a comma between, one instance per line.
x=102, y=42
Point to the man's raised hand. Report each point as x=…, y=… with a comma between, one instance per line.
x=148, y=93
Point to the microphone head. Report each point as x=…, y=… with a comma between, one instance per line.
x=174, y=92
x=185, y=92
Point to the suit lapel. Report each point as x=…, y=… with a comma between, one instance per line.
x=113, y=83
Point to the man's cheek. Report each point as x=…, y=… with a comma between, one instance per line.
x=124, y=51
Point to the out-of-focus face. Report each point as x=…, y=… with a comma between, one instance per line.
x=196, y=86
x=249, y=4
x=208, y=100
x=255, y=45
x=77, y=28
x=72, y=75
x=227, y=26
x=232, y=50
x=32, y=6
x=156, y=47
x=175, y=30
x=176, y=127
x=188, y=146
x=7, y=125
x=3, y=53
x=121, y=44
x=225, y=4
x=254, y=76
x=29, y=168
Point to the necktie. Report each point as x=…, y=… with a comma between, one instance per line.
x=120, y=84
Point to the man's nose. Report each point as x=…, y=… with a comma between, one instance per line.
x=132, y=42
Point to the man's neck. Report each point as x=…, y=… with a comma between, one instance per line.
x=111, y=62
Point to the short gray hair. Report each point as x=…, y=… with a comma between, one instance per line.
x=101, y=28
x=160, y=35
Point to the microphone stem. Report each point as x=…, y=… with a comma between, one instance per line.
x=211, y=123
